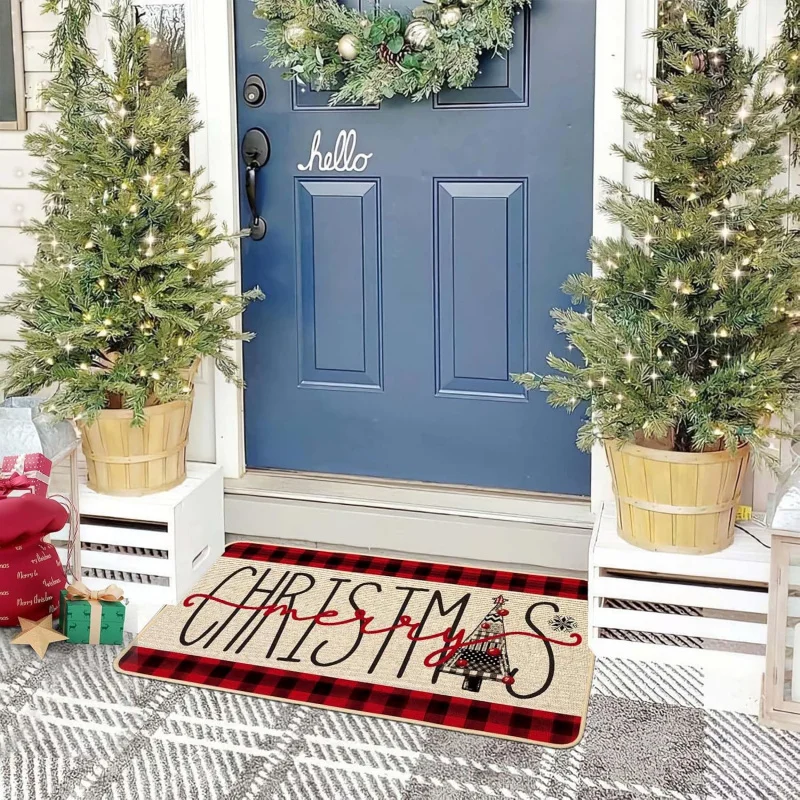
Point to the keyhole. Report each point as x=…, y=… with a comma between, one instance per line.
x=255, y=91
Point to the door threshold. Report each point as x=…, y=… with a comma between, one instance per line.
x=562, y=511
x=440, y=535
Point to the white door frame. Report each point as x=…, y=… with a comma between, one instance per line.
x=623, y=58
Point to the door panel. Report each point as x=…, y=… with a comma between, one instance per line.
x=481, y=271
x=401, y=294
x=339, y=283
x=500, y=81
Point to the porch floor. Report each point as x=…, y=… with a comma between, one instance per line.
x=73, y=729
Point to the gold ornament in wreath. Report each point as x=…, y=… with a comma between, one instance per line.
x=364, y=58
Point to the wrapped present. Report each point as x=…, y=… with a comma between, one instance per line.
x=31, y=441
x=15, y=485
x=34, y=445
x=33, y=466
x=92, y=617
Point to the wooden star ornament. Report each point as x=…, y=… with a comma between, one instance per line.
x=38, y=634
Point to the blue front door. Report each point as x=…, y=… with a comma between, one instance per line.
x=403, y=287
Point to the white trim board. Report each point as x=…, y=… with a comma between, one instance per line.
x=212, y=75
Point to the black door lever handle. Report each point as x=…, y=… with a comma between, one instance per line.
x=255, y=153
x=258, y=226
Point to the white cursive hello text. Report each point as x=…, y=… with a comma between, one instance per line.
x=342, y=159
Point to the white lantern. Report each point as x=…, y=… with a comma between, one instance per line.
x=43, y=455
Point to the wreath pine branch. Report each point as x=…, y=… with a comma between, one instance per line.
x=366, y=58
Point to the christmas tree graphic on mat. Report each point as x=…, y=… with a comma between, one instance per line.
x=484, y=655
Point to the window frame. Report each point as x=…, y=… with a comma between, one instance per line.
x=17, y=54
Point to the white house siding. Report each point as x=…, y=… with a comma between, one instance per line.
x=18, y=204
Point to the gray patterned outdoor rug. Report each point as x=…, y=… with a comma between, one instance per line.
x=71, y=728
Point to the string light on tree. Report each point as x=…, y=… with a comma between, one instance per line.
x=711, y=142
x=114, y=164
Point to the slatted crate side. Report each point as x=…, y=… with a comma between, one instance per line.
x=157, y=547
x=142, y=569
x=672, y=608
x=673, y=612
x=705, y=626
x=110, y=558
x=204, y=511
x=626, y=586
x=111, y=532
x=144, y=551
x=746, y=666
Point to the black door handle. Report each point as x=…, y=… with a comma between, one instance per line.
x=255, y=154
x=258, y=226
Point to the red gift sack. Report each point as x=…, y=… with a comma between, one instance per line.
x=31, y=575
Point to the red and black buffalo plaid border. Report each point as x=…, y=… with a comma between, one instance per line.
x=416, y=570
x=494, y=719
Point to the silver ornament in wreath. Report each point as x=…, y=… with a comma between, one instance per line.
x=426, y=11
x=348, y=47
x=419, y=34
x=296, y=35
x=450, y=16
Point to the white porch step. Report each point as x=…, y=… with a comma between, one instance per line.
x=556, y=546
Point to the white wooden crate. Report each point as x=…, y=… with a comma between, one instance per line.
x=154, y=547
x=699, y=610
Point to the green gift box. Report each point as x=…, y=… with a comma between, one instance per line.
x=81, y=618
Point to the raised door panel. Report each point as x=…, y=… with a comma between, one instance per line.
x=502, y=80
x=339, y=277
x=481, y=267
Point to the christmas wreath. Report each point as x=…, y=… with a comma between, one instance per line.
x=365, y=58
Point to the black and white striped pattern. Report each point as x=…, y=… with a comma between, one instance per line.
x=73, y=729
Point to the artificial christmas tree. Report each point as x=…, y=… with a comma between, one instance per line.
x=788, y=54
x=687, y=323
x=484, y=655
x=122, y=300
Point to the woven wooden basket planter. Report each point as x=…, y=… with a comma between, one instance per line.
x=128, y=461
x=676, y=502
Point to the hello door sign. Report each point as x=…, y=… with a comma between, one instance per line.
x=501, y=643
x=343, y=158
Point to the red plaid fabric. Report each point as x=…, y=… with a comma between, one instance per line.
x=496, y=719
x=542, y=727
x=416, y=570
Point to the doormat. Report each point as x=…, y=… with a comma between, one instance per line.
x=496, y=653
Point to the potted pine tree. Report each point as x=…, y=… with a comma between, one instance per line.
x=122, y=300
x=685, y=326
